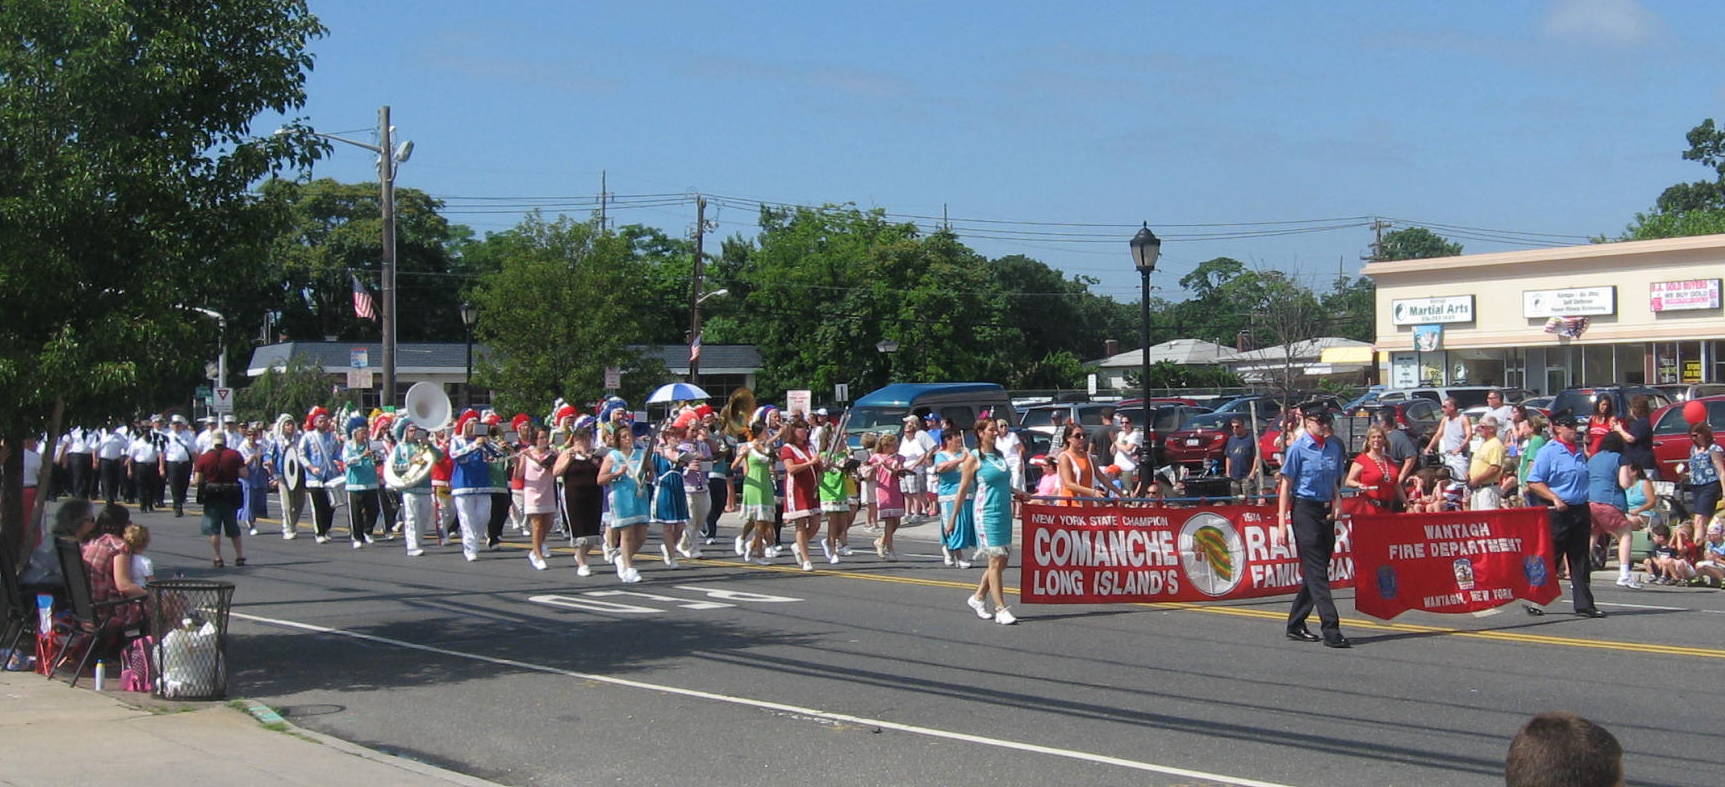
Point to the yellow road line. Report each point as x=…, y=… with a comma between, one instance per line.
x=1180, y=606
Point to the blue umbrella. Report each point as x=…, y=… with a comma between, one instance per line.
x=677, y=392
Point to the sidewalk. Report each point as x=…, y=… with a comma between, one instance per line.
x=51, y=734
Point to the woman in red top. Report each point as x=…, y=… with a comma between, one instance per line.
x=802, y=477
x=1374, y=473
x=1601, y=424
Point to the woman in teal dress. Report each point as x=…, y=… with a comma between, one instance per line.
x=985, y=470
x=957, y=523
x=620, y=473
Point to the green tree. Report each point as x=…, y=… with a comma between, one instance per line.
x=1686, y=209
x=560, y=303
x=126, y=166
x=1349, y=308
x=330, y=232
x=292, y=388
x=1414, y=243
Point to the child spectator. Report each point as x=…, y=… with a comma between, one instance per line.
x=1712, y=565
x=865, y=480
x=1454, y=491
x=1049, y=484
x=143, y=569
x=1666, y=566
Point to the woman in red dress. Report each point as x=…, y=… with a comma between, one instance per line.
x=1374, y=473
x=802, y=484
x=1602, y=423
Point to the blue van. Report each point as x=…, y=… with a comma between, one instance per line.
x=884, y=410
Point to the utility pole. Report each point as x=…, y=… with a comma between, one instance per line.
x=386, y=182
x=1378, y=226
x=695, y=291
x=603, y=198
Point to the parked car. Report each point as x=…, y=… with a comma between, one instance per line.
x=1683, y=392
x=1540, y=404
x=1579, y=402
x=1163, y=421
x=885, y=409
x=1671, y=434
x=1048, y=418
x=1466, y=396
x=1419, y=418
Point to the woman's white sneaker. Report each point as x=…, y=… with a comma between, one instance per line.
x=537, y=560
x=979, y=606
x=583, y=571
x=1004, y=617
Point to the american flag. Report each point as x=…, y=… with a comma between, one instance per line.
x=695, y=349
x=1571, y=327
x=363, y=306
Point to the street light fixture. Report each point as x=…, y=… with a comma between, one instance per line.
x=222, y=353
x=695, y=331
x=387, y=157
x=1146, y=248
x=469, y=316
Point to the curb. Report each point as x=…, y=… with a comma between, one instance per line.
x=265, y=715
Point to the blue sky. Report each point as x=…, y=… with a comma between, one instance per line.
x=1562, y=117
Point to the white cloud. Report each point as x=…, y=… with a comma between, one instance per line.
x=1616, y=23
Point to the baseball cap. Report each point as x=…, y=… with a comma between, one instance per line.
x=1566, y=420
x=1318, y=413
x=912, y=419
x=218, y=438
x=822, y=411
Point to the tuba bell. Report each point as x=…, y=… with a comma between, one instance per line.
x=734, y=416
x=428, y=406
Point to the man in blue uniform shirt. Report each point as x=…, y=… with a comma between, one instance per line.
x=1559, y=474
x=1310, y=475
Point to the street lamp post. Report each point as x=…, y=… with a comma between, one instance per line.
x=695, y=329
x=388, y=155
x=1146, y=247
x=222, y=353
x=469, y=315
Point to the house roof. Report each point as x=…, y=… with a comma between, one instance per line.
x=451, y=357
x=1182, y=351
x=1306, y=350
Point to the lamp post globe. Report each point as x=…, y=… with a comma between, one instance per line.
x=1146, y=248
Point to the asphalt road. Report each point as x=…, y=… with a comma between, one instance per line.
x=874, y=673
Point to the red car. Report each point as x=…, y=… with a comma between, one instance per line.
x=1671, y=441
x=1199, y=444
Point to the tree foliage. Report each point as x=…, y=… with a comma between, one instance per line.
x=294, y=388
x=126, y=163
x=1684, y=209
x=1414, y=243
x=560, y=303
x=332, y=231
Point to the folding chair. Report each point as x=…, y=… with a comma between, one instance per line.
x=14, y=614
x=92, y=620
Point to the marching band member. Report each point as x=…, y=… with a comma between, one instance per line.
x=320, y=457
x=360, y=461
x=755, y=462
x=628, y=521
x=696, y=442
x=284, y=443
x=958, y=523
x=583, y=497
x=470, y=483
x=147, y=458
x=802, y=507
x=257, y=483
x=502, y=508
x=533, y=467
x=670, y=500
x=987, y=472
x=382, y=444
x=416, y=500
x=519, y=425
x=440, y=475
x=180, y=452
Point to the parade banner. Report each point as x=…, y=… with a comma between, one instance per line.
x=1106, y=554
x=1456, y=561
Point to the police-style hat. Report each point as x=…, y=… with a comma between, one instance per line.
x=1566, y=420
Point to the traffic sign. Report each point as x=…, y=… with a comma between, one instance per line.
x=224, y=401
x=358, y=378
x=613, y=378
x=359, y=358
x=841, y=392
x=799, y=401
x=1090, y=384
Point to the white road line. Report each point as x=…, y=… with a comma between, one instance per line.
x=779, y=707
x=1639, y=606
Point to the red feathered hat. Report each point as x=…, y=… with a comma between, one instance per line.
x=703, y=411
x=520, y=422
x=491, y=418
x=311, y=417
x=467, y=415
x=566, y=411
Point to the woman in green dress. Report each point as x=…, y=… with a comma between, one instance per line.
x=755, y=461
x=986, y=471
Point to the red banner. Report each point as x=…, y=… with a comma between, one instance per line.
x=1458, y=561
x=1121, y=553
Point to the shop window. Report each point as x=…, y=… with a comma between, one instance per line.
x=1596, y=365
x=1631, y=364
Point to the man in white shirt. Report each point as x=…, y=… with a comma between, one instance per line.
x=230, y=427
x=145, y=461
x=915, y=446
x=80, y=460
x=111, y=459
x=206, y=437
x=1013, y=449
x=181, y=450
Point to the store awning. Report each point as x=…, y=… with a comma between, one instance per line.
x=1347, y=355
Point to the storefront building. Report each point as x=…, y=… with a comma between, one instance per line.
x=1642, y=312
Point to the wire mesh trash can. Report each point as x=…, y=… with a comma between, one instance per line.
x=189, y=638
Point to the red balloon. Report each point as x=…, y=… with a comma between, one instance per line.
x=1694, y=411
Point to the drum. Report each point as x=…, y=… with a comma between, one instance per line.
x=293, y=473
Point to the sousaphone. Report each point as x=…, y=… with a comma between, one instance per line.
x=428, y=407
x=734, y=416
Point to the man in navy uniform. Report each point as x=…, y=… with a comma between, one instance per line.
x=1311, y=472
x=1559, y=474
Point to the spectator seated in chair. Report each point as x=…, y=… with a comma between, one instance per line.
x=75, y=519
x=108, y=558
